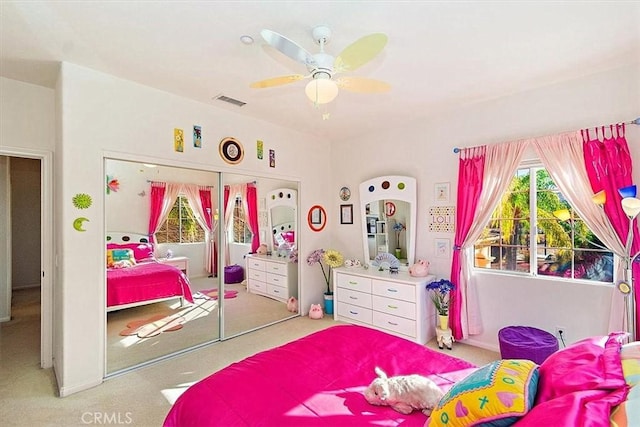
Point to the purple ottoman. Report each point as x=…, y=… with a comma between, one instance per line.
x=526, y=342
x=233, y=274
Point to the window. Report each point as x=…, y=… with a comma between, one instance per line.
x=553, y=247
x=241, y=232
x=181, y=225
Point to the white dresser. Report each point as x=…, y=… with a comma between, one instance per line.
x=395, y=303
x=272, y=276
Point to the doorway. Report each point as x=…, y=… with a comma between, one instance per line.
x=26, y=228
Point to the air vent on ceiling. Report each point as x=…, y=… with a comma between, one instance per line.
x=230, y=100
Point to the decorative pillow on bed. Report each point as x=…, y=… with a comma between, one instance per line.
x=497, y=394
x=627, y=414
x=115, y=256
x=141, y=251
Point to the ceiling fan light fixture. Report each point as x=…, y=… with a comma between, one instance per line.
x=321, y=90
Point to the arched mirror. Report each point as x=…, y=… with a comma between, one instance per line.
x=281, y=208
x=388, y=211
x=317, y=218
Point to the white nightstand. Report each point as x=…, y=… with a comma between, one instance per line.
x=182, y=262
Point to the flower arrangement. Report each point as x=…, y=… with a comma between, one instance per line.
x=398, y=227
x=331, y=258
x=440, y=295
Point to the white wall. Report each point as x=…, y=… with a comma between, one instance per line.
x=101, y=114
x=425, y=150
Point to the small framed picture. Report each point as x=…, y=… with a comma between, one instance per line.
x=442, y=190
x=346, y=214
x=315, y=216
x=443, y=248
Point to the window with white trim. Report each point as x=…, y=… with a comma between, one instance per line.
x=181, y=225
x=241, y=232
x=551, y=247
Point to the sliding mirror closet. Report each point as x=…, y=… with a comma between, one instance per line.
x=185, y=283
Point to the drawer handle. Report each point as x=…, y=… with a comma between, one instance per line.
x=275, y=291
x=392, y=324
x=392, y=290
x=352, y=283
x=394, y=307
x=275, y=280
x=353, y=312
x=352, y=297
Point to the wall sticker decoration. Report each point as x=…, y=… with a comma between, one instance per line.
x=78, y=223
x=82, y=201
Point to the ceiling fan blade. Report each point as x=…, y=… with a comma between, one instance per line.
x=362, y=85
x=276, y=81
x=360, y=52
x=290, y=48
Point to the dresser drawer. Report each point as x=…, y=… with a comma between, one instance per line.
x=394, y=323
x=394, y=290
x=272, y=267
x=256, y=264
x=394, y=307
x=257, y=275
x=349, y=296
x=277, y=292
x=276, y=279
x=357, y=283
x=257, y=286
x=354, y=312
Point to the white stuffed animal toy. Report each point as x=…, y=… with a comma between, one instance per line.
x=404, y=393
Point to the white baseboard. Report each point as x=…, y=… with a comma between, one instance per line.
x=5, y=319
x=67, y=391
x=481, y=344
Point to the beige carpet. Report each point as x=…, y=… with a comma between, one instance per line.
x=199, y=323
x=142, y=397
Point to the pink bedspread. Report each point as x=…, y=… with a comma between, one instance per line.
x=146, y=281
x=314, y=381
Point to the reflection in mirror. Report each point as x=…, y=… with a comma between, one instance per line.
x=388, y=209
x=269, y=280
x=282, y=207
x=317, y=218
x=161, y=288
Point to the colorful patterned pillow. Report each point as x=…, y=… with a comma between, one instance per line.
x=115, y=255
x=627, y=414
x=497, y=394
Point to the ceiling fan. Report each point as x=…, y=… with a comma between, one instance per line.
x=323, y=68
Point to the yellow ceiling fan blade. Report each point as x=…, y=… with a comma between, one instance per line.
x=276, y=81
x=362, y=85
x=360, y=52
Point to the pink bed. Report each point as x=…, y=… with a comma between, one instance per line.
x=316, y=380
x=146, y=282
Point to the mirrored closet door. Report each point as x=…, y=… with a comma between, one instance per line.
x=161, y=292
x=271, y=278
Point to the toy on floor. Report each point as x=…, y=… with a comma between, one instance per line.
x=404, y=393
x=292, y=305
x=315, y=312
x=445, y=338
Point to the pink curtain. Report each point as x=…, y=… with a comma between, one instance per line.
x=252, y=214
x=470, y=174
x=609, y=167
x=163, y=196
x=211, y=253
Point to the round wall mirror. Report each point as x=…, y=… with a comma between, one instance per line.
x=317, y=218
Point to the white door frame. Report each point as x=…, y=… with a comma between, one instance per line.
x=46, y=246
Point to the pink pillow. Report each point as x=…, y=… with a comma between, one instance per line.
x=141, y=251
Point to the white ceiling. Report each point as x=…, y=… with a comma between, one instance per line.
x=440, y=55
